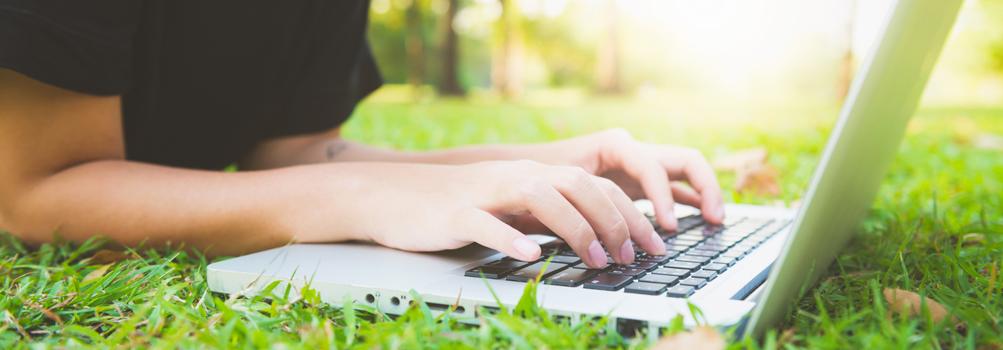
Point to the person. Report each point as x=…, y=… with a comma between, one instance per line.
x=117, y=118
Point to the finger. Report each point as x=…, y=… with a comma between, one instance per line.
x=553, y=210
x=654, y=181
x=685, y=195
x=641, y=231
x=606, y=219
x=700, y=175
x=488, y=231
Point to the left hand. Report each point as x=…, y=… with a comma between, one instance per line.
x=643, y=170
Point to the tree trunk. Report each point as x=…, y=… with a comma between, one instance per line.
x=608, y=73
x=505, y=67
x=846, y=71
x=414, y=45
x=450, y=53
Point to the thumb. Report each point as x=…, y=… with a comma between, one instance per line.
x=485, y=229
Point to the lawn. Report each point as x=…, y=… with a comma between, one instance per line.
x=944, y=187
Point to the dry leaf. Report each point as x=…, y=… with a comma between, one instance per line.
x=97, y=273
x=907, y=303
x=988, y=142
x=760, y=180
x=748, y=158
x=787, y=336
x=107, y=256
x=973, y=239
x=699, y=338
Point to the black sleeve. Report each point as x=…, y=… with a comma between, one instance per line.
x=329, y=95
x=85, y=46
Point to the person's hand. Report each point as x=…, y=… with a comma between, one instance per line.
x=429, y=207
x=644, y=171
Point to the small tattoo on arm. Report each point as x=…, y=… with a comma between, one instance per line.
x=334, y=148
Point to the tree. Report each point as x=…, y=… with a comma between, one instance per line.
x=450, y=84
x=414, y=44
x=505, y=65
x=608, y=55
x=846, y=70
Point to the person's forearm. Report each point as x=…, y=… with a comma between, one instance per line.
x=334, y=149
x=221, y=213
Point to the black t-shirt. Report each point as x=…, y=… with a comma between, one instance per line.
x=202, y=81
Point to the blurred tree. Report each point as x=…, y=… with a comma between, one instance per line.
x=415, y=45
x=506, y=65
x=845, y=78
x=608, y=75
x=450, y=84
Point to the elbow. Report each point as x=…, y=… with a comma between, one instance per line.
x=8, y=224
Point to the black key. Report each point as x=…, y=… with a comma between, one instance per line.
x=672, y=272
x=571, y=260
x=713, y=247
x=681, y=265
x=530, y=272
x=693, y=259
x=716, y=267
x=608, y=281
x=727, y=261
x=644, y=265
x=570, y=277
x=692, y=236
x=694, y=282
x=702, y=252
x=508, y=263
x=732, y=220
x=689, y=222
x=663, y=279
x=658, y=259
x=705, y=274
x=646, y=288
x=687, y=240
x=679, y=291
x=626, y=270
x=675, y=245
x=487, y=271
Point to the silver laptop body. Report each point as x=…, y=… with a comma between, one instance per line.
x=735, y=285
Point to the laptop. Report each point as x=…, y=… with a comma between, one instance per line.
x=747, y=272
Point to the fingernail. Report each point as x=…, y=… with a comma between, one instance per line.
x=658, y=243
x=527, y=248
x=596, y=254
x=720, y=213
x=627, y=252
x=673, y=221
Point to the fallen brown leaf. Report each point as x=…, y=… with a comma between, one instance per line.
x=748, y=158
x=906, y=303
x=699, y=338
x=787, y=336
x=973, y=239
x=108, y=256
x=97, y=273
x=760, y=180
x=45, y=311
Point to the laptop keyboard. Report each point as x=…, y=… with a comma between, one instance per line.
x=696, y=254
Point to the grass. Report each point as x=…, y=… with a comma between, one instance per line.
x=939, y=189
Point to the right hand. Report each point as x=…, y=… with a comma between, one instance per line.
x=429, y=208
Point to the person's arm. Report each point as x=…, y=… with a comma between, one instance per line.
x=641, y=170
x=64, y=173
x=330, y=147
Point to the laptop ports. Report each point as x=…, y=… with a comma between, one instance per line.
x=629, y=327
